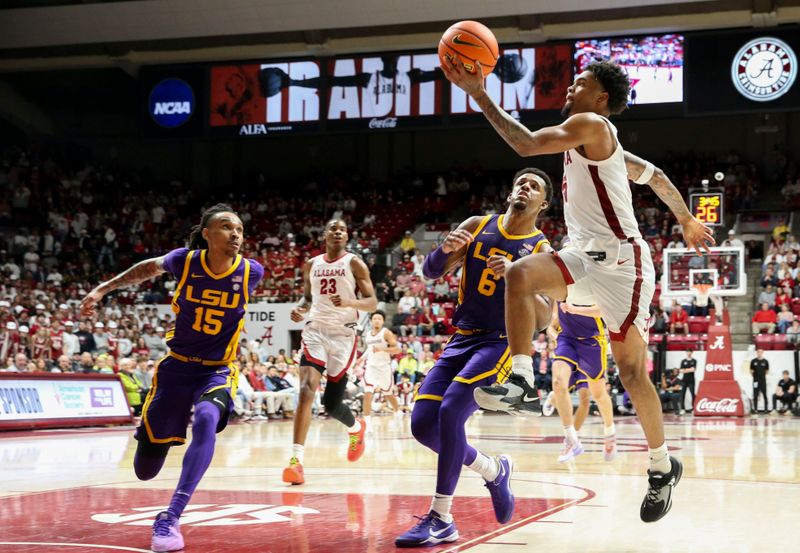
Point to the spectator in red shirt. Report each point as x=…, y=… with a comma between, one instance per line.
x=678, y=319
x=764, y=319
x=410, y=323
x=782, y=298
x=427, y=322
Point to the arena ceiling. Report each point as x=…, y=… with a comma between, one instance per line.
x=69, y=34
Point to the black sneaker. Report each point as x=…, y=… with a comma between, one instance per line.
x=513, y=395
x=658, y=500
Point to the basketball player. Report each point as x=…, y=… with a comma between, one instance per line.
x=606, y=249
x=381, y=345
x=477, y=354
x=580, y=362
x=214, y=287
x=330, y=283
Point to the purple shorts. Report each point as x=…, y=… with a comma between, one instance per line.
x=177, y=386
x=577, y=380
x=586, y=357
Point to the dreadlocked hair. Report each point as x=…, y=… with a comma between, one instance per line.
x=614, y=81
x=196, y=240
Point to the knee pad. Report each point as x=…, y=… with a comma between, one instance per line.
x=219, y=398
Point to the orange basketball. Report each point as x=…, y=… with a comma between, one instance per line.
x=472, y=41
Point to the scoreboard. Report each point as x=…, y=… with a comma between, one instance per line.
x=707, y=206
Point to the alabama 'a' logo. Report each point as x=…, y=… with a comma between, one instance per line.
x=764, y=69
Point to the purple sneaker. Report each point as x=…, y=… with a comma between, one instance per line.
x=430, y=530
x=500, y=490
x=166, y=533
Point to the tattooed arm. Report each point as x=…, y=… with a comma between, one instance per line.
x=695, y=233
x=144, y=270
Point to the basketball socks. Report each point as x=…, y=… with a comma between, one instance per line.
x=522, y=365
x=486, y=466
x=570, y=434
x=659, y=460
x=298, y=452
x=609, y=430
x=198, y=455
x=355, y=428
x=442, y=504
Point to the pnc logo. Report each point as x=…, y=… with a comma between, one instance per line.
x=171, y=103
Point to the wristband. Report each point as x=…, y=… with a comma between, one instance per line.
x=435, y=263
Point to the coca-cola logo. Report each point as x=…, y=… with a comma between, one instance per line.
x=718, y=367
x=387, y=123
x=727, y=405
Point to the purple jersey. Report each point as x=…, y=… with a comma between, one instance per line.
x=209, y=307
x=580, y=326
x=481, y=296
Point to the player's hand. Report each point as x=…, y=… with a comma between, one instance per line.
x=565, y=307
x=456, y=240
x=498, y=264
x=339, y=301
x=471, y=83
x=697, y=236
x=298, y=313
x=89, y=301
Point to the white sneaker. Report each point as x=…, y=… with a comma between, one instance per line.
x=609, y=447
x=548, y=408
x=570, y=451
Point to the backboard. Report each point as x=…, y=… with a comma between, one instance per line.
x=684, y=270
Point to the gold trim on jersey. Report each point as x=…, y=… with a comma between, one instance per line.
x=200, y=360
x=495, y=370
x=147, y=401
x=212, y=274
x=428, y=396
x=508, y=236
x=231, y=381
x=233, y=344
x=539, y=245
x=175, y=307
x=463, y=281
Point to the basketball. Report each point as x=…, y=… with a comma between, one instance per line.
x=472, y=41
x=511, y=68
x=270, y=81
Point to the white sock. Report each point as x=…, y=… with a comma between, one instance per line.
x=659, y=459
x=298, y=452
x=571, y=434
x=609, y=430
x=523, y=366
x=367, y=419
x=441, y=504
x=355, y=428
x=486, y=466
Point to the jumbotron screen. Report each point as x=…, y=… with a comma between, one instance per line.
x=383, y=91
x=261, y=98
x=654, y=64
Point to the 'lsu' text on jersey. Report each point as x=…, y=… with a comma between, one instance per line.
x=209, y=307
x=481, y=295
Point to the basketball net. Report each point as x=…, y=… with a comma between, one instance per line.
x=702, y=291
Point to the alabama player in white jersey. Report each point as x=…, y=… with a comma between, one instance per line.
x=331, y=283
x=381, y=345
x=607, y=249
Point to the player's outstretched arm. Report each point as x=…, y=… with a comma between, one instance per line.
x=696, y=235
x=442, y=260
x=144, y=270
x=578, y=130
x=300, y=310
x=367, y=302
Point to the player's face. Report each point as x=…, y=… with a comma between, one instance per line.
x=224, y=233
x=377, y=322
x=528, y=192
x=584, y=95
x=336, y=234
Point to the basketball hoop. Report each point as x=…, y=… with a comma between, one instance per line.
x=702, y=291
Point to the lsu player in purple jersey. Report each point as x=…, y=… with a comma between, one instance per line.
x=580, y=363
x=444, y=402
x=214, y=287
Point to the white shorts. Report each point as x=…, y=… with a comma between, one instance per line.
x=623, y=291
x=329, y=349
x=378, y=378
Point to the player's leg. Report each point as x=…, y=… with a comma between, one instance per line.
x=603, y=401
x=525, y=312
x=366, y=408
x=341, y=350
x=582, y=410
x=310, y=377
x=564, y=380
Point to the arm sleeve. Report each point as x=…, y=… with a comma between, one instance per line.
x=174, y=261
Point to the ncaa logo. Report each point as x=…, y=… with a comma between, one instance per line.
x=171, y=103
x=764, y=69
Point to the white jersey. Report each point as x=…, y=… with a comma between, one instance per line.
x=380, y=358
x=598, y=207
x=330, y=278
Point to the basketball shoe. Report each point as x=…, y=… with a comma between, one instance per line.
x=166, y=533
x=658, y=500
x=430, y=530
x=355, y=446
x=293, y=474
x=609, y=447
x=548, y=407
x=570, y=451
x=500, y=490
x=515, y=395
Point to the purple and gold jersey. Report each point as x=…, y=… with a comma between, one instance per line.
x=480, y=294
x=209, y=307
